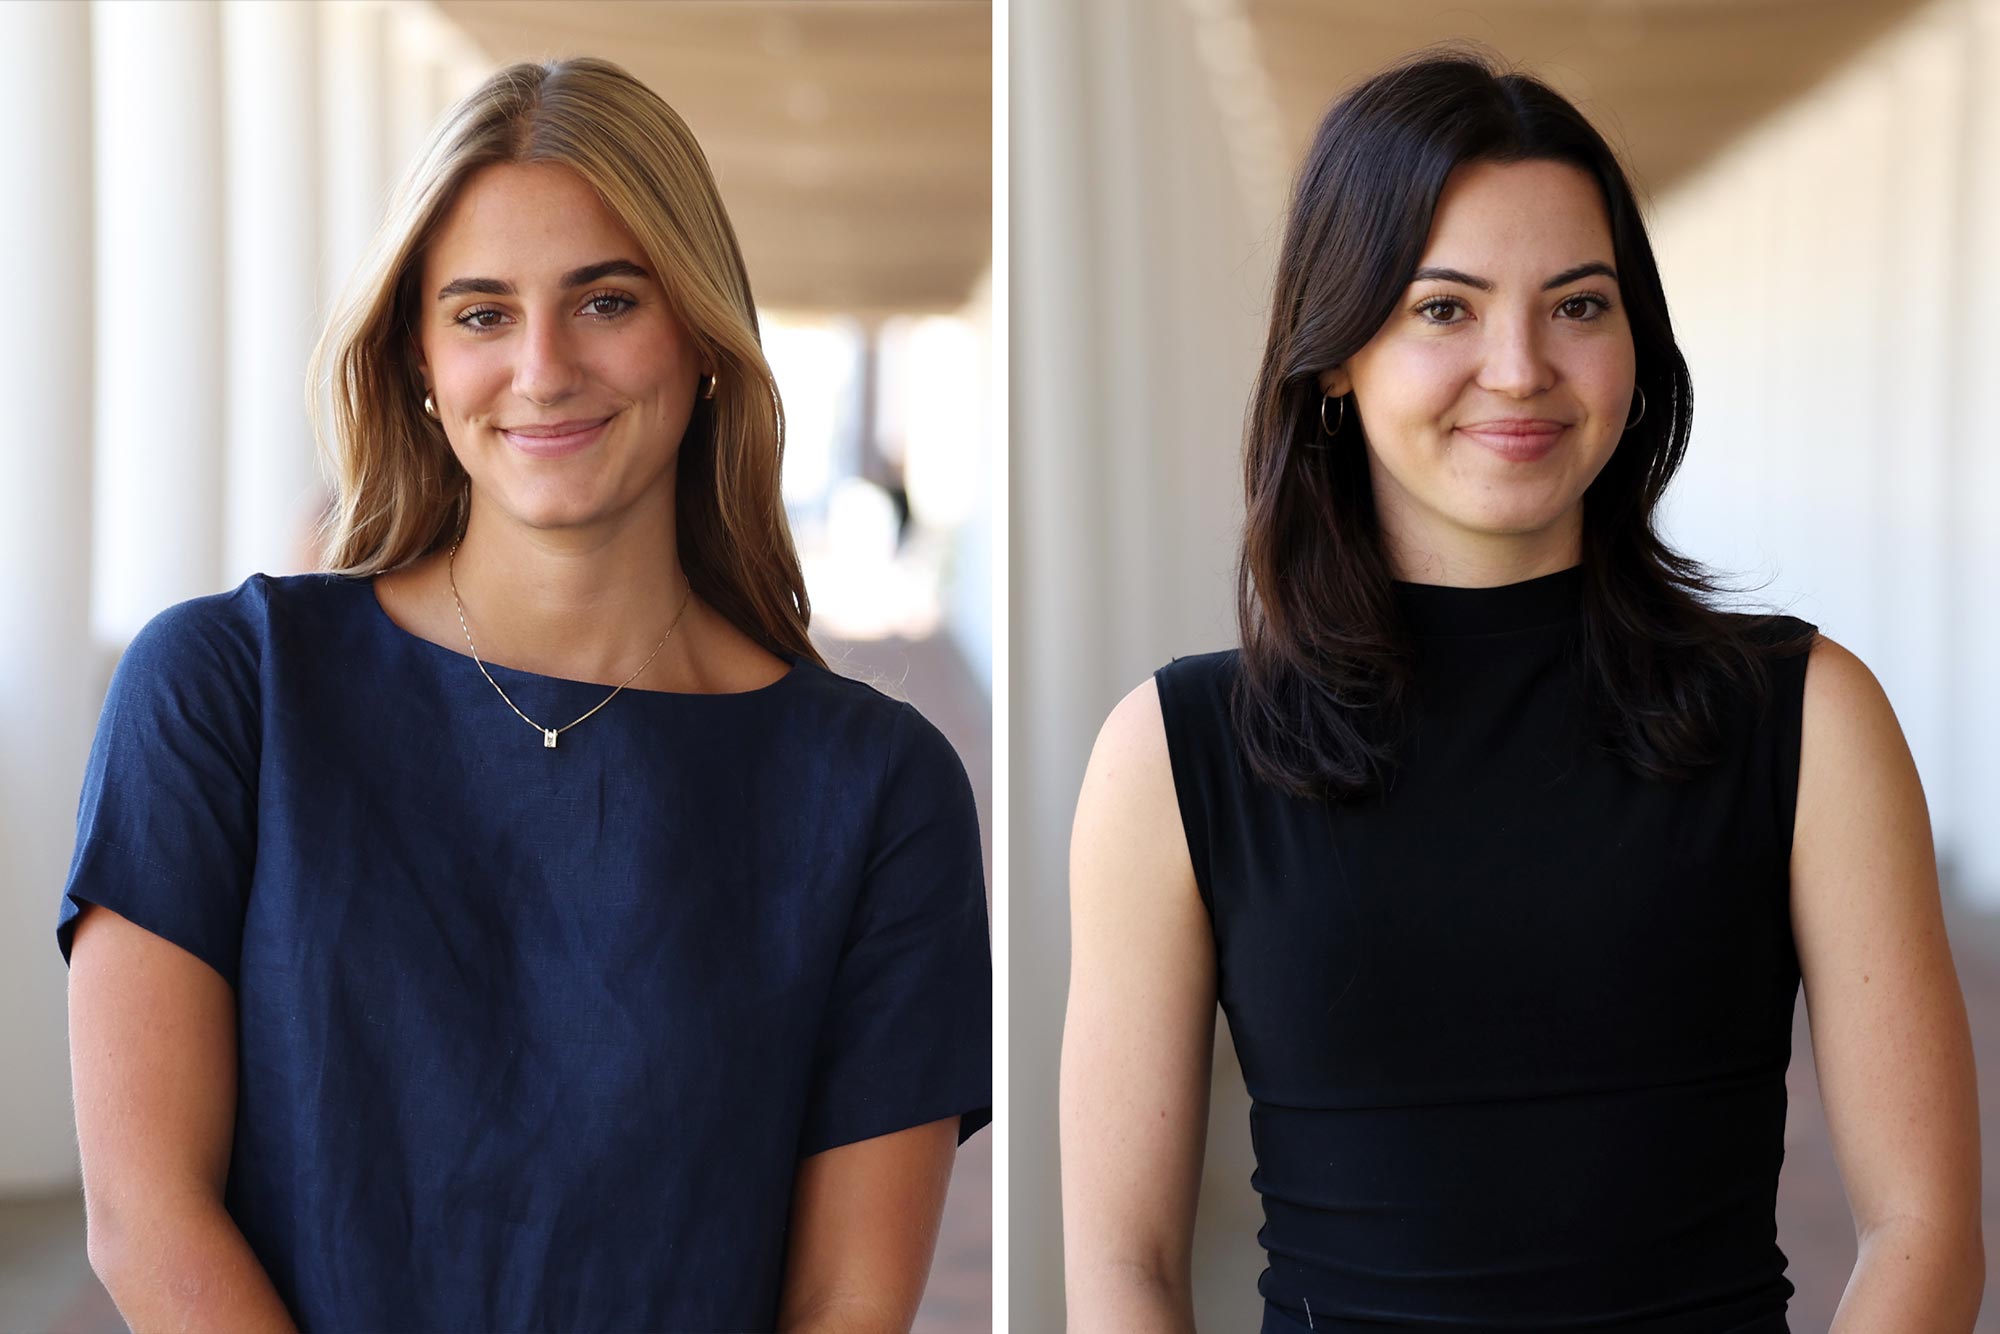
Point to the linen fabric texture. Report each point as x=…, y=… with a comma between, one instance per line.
x=529, y=1037
x=1515, y=1030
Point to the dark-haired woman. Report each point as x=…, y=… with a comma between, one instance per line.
x=1503, y=851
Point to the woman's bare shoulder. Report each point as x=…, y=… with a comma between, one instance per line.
x=1134, y=732
x=1128, y=836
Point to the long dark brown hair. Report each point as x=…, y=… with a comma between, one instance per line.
x=1327, y=668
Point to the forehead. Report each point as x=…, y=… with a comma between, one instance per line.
x=523, y=221
x=1536, y=215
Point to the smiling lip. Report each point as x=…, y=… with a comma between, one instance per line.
x=1518, y=439
x=556, y=439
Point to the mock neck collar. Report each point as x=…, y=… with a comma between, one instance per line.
x=1440, y=609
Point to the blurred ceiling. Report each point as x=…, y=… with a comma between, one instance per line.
x=852, y=140
x=1668, y=82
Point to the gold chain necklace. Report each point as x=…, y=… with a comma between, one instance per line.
x=549, y=734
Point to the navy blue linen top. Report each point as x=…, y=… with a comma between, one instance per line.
x=1515, y=1030
x=530, y=1037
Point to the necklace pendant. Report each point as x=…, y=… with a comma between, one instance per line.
x=548, y=738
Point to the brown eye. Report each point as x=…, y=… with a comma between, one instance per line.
x=1585, y=306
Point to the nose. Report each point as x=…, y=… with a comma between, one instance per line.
x=546, y=370
x=1516, y=364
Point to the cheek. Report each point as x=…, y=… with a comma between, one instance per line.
x=657, y=366
x=467, y=372
x=1603, y=377
x=1408, y=385
x=653, y=379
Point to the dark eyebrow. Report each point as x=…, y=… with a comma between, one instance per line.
x=1486, y=285
x=575, y=278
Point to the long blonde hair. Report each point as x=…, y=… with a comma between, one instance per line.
x=399, y=491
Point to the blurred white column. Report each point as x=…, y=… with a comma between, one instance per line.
x=420, y=44
x=159, y=309
x=271, y=88
x=355, y=136
x=1054, y=545
x=1128, y=254
x=409, y=87
x=50, y=673
x=969, y=600
x=1136, y=324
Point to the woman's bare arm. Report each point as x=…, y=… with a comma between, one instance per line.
x=864, y=1227
x=1888, y=1021
x=152, y=1034
x=1138, y=1038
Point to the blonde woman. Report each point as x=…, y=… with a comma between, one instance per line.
x=518, y=926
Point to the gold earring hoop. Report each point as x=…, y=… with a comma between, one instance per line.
x=1339, y=420
x=430, y=407
x=1642, y=407
x=708, y=390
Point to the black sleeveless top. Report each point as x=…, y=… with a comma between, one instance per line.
x=1515, y=1032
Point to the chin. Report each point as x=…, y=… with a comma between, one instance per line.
x=1510, y=520
x=543, y=511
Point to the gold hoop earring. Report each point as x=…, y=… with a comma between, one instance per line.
x=430, y=407
x=1339, y=420
x=708, y=390
x=1642, y=407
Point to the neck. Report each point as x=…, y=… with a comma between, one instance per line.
x=1461, y=558
x=585, y=603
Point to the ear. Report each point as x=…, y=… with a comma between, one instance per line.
x=1335, y=381
x=423, y=366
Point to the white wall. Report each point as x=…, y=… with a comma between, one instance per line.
x=1138, y=285
x=1830, y=279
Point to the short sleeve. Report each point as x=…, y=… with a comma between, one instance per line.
x=907, y=1038
x=166, y=824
